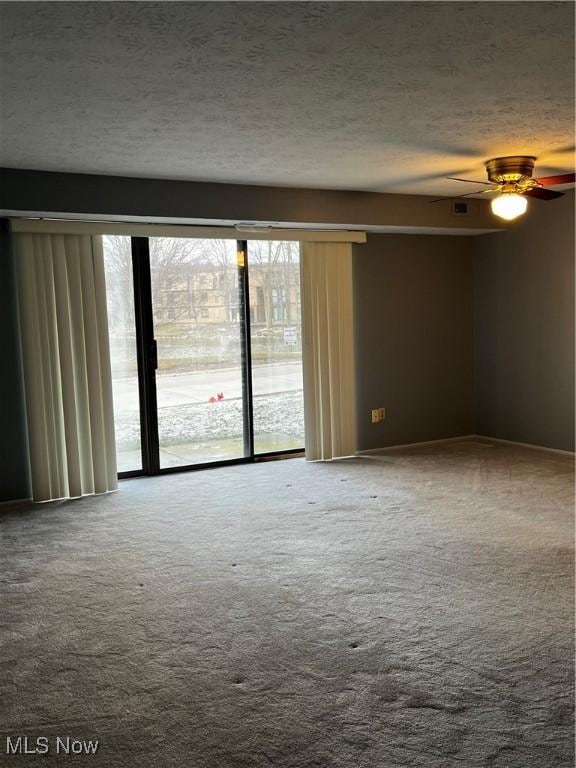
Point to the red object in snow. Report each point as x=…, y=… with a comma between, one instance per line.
x=211, y=399
x=220, y=395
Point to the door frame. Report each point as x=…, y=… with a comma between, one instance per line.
x=147, y=359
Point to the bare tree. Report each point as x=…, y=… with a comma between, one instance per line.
x=274, y=267
x=220, y=258
x=191, y=276
x=118, y=261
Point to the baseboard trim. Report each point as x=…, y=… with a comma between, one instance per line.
x=420, y=444
x=463, y=438
x=15, y=502
x=532, y=446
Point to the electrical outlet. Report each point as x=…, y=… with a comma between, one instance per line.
x=375, y=416
x=382, y=412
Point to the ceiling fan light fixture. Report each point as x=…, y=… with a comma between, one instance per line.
x=509, y=205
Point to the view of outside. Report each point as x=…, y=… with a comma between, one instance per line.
x=122, y=326
x=276, y=344
x=195, y=295
x=195, y=301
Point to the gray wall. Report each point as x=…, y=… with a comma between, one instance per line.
x=415, y=334
x=151, y=199
x=13, y=442
x=413, y=326
x=524, y=328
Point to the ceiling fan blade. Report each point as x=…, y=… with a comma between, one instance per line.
x=542, y=194
x=551, y=181
x=469, y=181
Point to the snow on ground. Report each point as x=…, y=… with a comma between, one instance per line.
x=279, y=413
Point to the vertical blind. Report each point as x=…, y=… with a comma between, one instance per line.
x=66, y=358
x=328, y=350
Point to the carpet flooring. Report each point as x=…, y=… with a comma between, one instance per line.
x=407, y=609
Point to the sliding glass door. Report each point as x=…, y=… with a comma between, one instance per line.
x=196, y=314
x=206, y=350
x=123, y=351
x=276, y=340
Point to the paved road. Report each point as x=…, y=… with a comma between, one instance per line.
x=186, y=388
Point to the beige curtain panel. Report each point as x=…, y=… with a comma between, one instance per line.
x=66, y=358
x=328, y=350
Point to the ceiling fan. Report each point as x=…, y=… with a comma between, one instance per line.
x=512, y=178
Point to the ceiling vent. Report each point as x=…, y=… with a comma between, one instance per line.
x=460, y=209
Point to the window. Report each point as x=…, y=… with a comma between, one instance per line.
x=207, y=359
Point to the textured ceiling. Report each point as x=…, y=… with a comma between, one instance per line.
x=385, y=96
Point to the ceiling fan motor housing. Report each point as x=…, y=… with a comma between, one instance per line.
x=515, y=168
